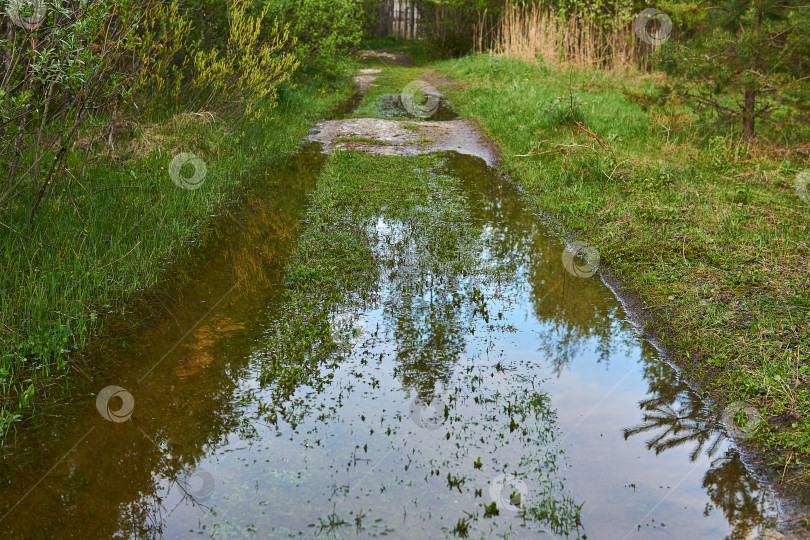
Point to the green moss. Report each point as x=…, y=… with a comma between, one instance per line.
x=361, y=140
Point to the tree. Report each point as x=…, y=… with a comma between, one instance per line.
x=324, y=30
x=451, y=24
x=746, y=59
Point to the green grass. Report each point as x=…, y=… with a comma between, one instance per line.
x=360, y=140
x=344, y=265
x=707, y=231
x=378, y=101
x=332, y=265
x=109, y=230
x=335, y=268
x=420, y=51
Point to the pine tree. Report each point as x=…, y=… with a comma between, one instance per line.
x=744, y=60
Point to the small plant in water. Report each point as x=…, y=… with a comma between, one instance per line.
x=332, y=522
x=462, y=528
x=358, y=520
x=491, y=509
x=454, y=481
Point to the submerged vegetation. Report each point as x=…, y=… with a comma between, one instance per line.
x=679, y=161
x=399, y=234
x=336, y=269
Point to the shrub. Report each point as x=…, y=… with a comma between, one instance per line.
x=325, y=31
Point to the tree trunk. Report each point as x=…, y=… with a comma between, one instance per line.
x=748, y=114
x=750, y=95
x=407, y=21
x=384, y=18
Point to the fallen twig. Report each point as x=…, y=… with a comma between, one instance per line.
x=122, y=256
x=589, y=132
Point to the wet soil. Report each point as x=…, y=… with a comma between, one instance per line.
x=404, y=138
x=396, y=58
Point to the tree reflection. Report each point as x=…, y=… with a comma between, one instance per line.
x=430, y=259
x=736, y=492
x=432, y=313
x=673, y=416
x=571, y=310
x=429, y=334
x=447, y=264
x=111, y=479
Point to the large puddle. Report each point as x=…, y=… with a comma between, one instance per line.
x=514, y=401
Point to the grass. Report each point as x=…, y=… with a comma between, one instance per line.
x=335, y=268
x=706, y=230
x=421, y=52
x=114, y=224
x=361, y=140
x=387, y=232
x=381, y=100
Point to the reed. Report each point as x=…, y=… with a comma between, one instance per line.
x=581, y=39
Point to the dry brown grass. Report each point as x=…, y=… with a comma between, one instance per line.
x=132, y=140
x=532, y=32
x=169, y=135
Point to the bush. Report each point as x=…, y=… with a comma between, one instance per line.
x=59, y=65
x=325, y=31
x=67, y=69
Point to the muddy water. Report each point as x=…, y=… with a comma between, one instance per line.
x=527, y=389
x=180, y=354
